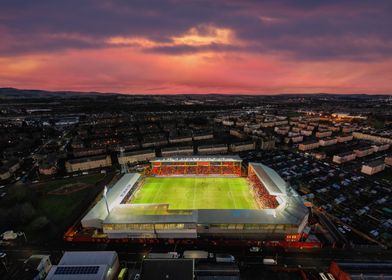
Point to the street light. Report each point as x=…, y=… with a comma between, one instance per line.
x=3, y=260
x=21, y=233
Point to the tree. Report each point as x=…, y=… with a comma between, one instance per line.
x=39, y=223
x=26, y=213
x=18, y=193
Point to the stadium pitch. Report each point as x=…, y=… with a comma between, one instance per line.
x=196, y=193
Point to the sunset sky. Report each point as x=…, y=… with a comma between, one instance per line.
x=201, y=46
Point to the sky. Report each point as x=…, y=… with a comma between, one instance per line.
x=200, y=46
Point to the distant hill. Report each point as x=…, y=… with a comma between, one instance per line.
x=12, y=93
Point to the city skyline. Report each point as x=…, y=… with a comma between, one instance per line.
x=170, y=47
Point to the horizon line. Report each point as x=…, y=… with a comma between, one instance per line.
x=64, y=91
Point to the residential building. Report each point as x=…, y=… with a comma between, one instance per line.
x=388, y=160
x=328, y=141
x=202, y=135
x=238, y=133
x=154, y=140
x=212, y=149
x=48, y=166
x=319, y=155
x=267, y=124
x=381, y=147
x=242, y=146
x=344, y=157
x=4, y=173
x=348, y=129
x=177, y=151
x=87, y=163
x=371, y=137
x=37, y=267
x=135, y=156
x=267, y=143
x=306, y=146
x=86, y=152
x=345, y=138
x=365, y=151
x=373, y=167
x=322, y=134
x=306, y=132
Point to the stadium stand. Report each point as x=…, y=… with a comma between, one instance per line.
x=264, y=199
x=202, y=168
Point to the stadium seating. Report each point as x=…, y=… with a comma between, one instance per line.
x=264, y=199
x=195, y=168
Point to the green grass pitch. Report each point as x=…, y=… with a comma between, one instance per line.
x=196, y=193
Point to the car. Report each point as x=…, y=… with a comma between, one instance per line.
x=270, y=261
x=341, y=230
x=224, y=258
x=2, y=255
x=347, y=228
x=2, y=187
x=254, y=249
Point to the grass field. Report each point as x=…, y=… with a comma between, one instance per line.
x=196, y=193
x=58, y=207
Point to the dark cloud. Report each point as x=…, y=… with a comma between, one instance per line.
x=186, y=49
x=333, y=29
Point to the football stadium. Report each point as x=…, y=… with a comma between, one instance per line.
x=197, y=197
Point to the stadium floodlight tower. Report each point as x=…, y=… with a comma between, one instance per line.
x=124, y=168
x=105, y=191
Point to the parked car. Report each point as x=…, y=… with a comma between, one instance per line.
x=254, y=249
x=270, y=261
x=224, y=258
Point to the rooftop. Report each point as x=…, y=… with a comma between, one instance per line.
x=374, y=163
x=174, y=269
x=87, y=159
x=274, y=184
x=139, y=152
x=197, y=158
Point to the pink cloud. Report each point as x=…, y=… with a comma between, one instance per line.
x=129, y=70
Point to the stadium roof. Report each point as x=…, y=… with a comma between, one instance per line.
x=274, y=184
x=293, y=213
x=197, y=158
x=114, y=197
x=129, y=214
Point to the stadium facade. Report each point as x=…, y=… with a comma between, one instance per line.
x=277, y=211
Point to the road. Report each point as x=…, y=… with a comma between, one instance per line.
x=134, y=253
